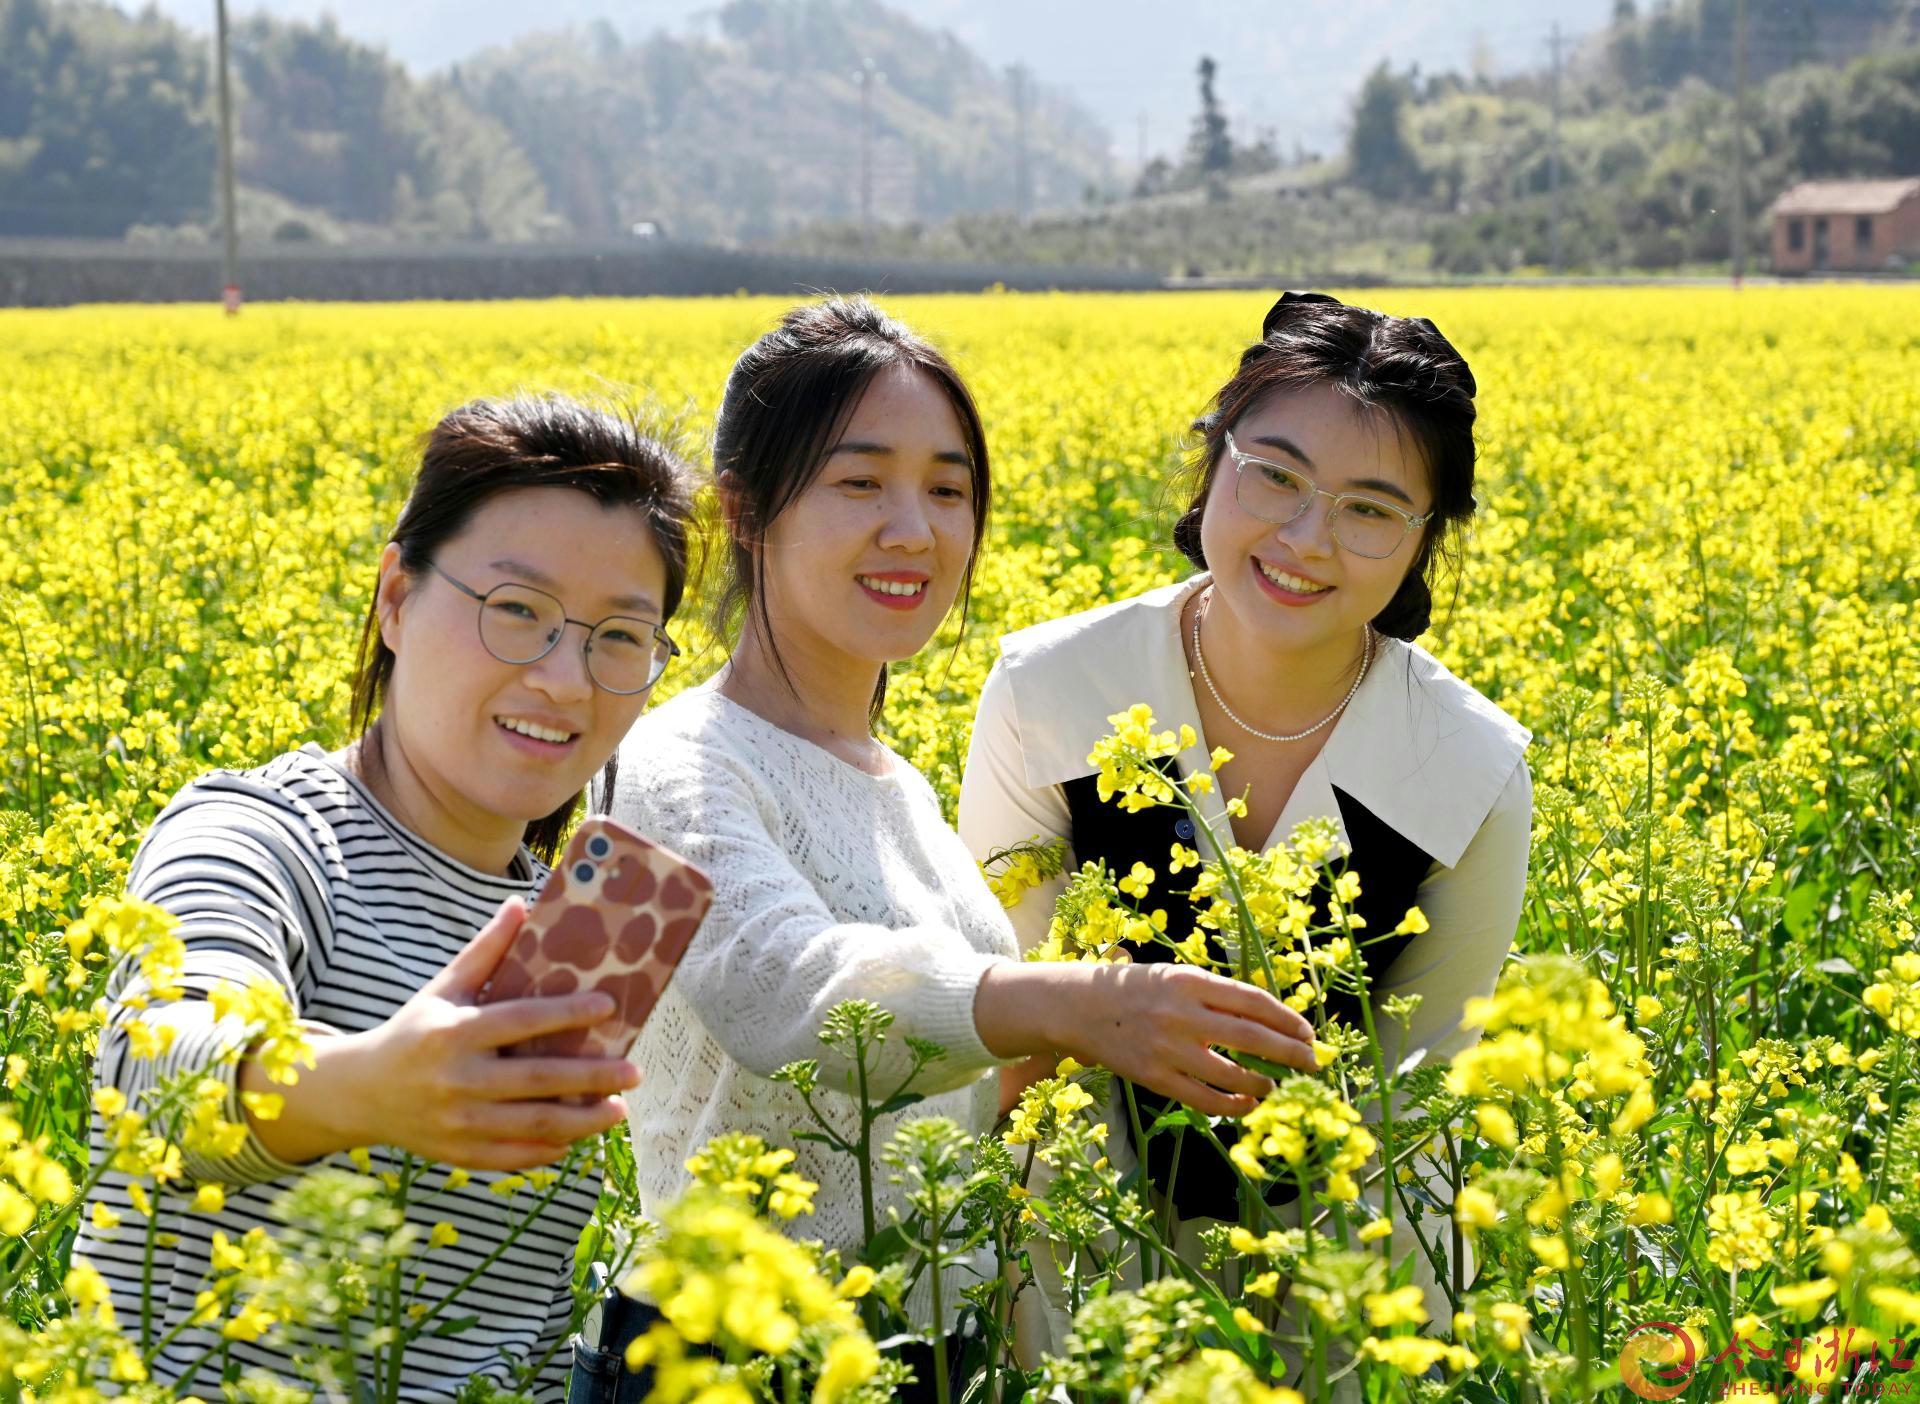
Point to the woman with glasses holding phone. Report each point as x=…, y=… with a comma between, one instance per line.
x=516, y=628
x=1328, y=477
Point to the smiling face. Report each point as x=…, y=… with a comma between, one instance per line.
x=1293, y=584
x=862, y=566
x=488, y=746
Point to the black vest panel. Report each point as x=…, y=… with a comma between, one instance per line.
x=1391, y=869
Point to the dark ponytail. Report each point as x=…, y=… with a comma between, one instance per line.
x=1409, y=614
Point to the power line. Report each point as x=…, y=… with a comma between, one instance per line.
x=1739, y=141
x=1553, y=156
x=867, y=75
x=1022, y=179
x=229, y=215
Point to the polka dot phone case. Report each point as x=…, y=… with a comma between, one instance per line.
x=616, y=915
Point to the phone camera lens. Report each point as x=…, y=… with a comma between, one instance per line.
x=598, y=846
x=583, y=872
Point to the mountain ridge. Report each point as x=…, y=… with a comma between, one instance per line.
x=106, y=128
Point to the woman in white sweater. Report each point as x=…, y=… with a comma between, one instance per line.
x=852, y=472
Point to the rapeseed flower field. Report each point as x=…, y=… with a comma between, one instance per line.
x=1694, y=577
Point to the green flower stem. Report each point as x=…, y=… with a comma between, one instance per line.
x=999, y=1358
x=941, y=1389
x=30, y=1245
x=343, y=1327
x=1643, y=936
x=1897, y=1085
x=1386, y=1086
x=398, y=1339
x=1173, y=1178
x=1458, y=1244
x=146, y=1271
x=185, y=1324
x=1249, y=929
x=1432, y=1253
x=513, y=1236
x=1713, y=1162
x=930, y=1259
x=33, y=713
x=1147, y=1271
x=616, y=1273
x=1256, y=1199
x=864, y=1150
x=1168, y=1253
x=1573, y=1284
x=1389, y=1160
x=844, y=1147
x=219, y=1347
x=1317, y=1350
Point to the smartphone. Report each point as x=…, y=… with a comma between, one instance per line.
x=616, y=914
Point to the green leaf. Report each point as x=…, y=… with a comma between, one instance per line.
x=889, y=1245
x=1264, y=1066
x=1178, y=1116
x=1416, y=1188
x=1803, y=905
x=899, y=1101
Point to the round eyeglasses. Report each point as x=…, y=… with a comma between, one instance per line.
x=519, y=624
x=1276, y=493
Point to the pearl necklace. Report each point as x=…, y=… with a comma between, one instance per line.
x=1366, y=661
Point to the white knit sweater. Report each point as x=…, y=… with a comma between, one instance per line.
x=829, y=884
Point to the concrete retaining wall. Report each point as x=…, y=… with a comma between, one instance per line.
x=57, y=273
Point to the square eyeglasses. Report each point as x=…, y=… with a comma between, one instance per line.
x=1276, y=493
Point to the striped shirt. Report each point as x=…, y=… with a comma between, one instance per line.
x=294, y=871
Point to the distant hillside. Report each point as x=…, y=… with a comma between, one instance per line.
x=103, y=120
x=1452, y=174
x=761, y=132
x=1661, y=44
x=107, y=126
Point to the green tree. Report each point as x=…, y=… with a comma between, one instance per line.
x=1211, y=147
x=104, y=122
x=1380, y=157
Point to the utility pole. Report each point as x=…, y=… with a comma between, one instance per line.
x=1553, y=155
x=1022, y=178
x=229, y=216
x=1739, y=141
x=866, y=156
x=1143, y=139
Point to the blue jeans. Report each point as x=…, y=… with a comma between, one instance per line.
x=600, y=1374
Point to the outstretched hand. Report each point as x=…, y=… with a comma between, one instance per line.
x=432, y=1079
x=1159, y=1026
x=1162, y=1026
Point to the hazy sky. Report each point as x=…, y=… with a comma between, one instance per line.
x=1287, y=64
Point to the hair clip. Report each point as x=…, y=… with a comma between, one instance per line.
x=1289, y=304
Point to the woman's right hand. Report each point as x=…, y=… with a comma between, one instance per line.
x=1157, y=1025
x=432, y=1079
